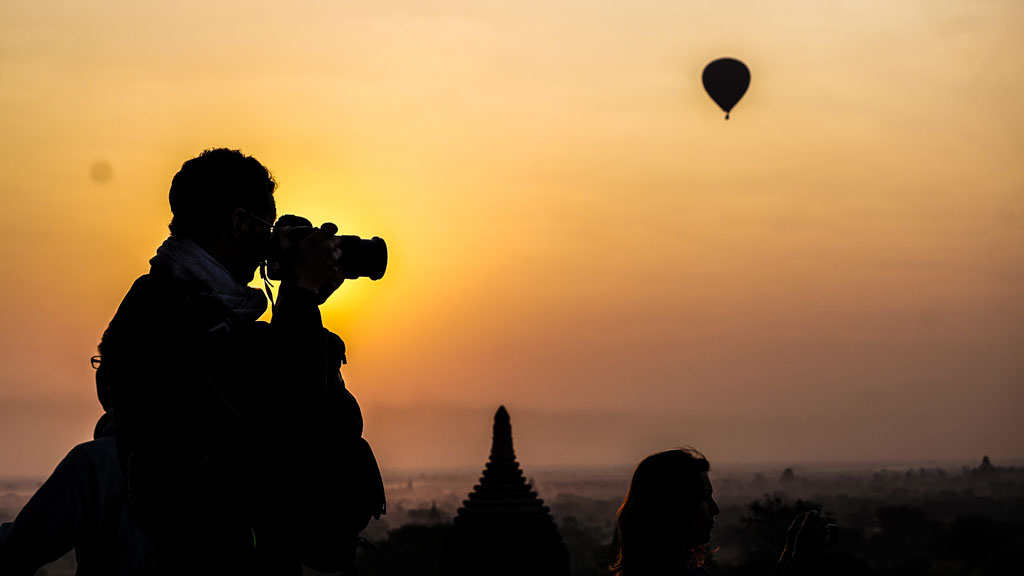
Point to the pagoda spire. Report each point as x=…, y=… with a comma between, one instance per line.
x=501, y=439
x=503, y=528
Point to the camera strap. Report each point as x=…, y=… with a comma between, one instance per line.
x=267, y=285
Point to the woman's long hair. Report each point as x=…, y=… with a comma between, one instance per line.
x=655, y=521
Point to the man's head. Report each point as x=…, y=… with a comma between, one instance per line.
x=210, y=187
x=213, y=198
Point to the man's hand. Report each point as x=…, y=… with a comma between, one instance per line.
x=316, y=262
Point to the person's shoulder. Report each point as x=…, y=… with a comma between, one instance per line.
x=151, y=299
x=155, y=285
x=149, y=287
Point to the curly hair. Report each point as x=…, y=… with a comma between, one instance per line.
x=209, y=187
x=651, y=527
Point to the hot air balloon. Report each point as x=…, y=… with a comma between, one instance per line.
x=726, y=80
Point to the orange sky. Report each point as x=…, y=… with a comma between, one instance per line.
x=835, y=273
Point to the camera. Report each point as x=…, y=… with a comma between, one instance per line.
x=359, y=257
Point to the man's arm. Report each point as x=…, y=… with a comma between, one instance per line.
x=300, y=347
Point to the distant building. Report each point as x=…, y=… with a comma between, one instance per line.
x=986, y=465
x=986, y=472
x=427, y=515
x=504, y=529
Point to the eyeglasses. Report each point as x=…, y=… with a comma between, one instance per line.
x=270, y=227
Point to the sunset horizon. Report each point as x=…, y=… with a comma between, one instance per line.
x=834, y=274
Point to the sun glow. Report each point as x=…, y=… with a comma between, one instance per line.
x=572, y=226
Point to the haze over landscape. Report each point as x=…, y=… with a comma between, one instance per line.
x=834, y=274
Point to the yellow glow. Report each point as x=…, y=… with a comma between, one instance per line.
x=572, y=225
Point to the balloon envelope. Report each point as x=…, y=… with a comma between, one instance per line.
x=726, y=80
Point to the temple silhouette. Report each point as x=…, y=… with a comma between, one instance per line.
x=503, y=528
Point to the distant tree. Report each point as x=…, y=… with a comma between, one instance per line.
x=761, y=536
x=985, y=546
x=604, y=554
x=762, y=530
x=411, y=550
x=906, y=542
x=585, y=547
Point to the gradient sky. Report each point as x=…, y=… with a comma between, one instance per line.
x=836, y=273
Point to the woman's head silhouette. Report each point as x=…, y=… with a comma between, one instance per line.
x=667, y=515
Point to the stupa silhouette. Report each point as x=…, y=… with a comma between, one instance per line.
x=504, y=529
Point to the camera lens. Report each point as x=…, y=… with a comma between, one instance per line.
x=361, y=257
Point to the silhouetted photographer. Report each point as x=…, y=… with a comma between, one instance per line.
x=241, y=448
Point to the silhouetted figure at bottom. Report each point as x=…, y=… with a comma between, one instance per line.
x=669, y=513
x=81, y=506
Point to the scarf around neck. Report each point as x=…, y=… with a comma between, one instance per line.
x=183, y=259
